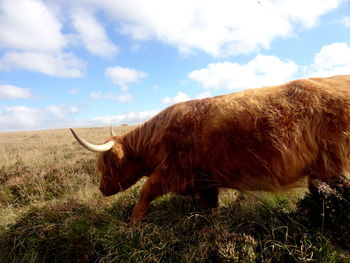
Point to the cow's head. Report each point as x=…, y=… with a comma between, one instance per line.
x=118, y=171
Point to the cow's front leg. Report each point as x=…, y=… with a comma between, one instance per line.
x=208, y=199
x=150, y=191
x=207, y=192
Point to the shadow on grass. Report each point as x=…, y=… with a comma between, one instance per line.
x=251, y=229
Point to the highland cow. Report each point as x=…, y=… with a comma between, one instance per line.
x=265, y=139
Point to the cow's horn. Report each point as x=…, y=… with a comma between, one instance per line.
x=93, y=147
x=112, y=132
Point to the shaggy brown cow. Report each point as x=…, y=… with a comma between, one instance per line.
x=261, y=139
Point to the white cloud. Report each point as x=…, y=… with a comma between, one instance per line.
x=92, y=34
x=74, y=91
x=13, y=92
x=29, y=25
x=99, y=95
x=19, y=117
x=122, y=76
x=56, y=111
x=180, y=97
x=203, y=95
x=333, y=59
x=64, y=65
x=24, y=118
x=125, y=97
x=221, y=27
x=74, y=110
x=136, y=47
x=260, y=71
x=33, y=38
x=130, y=118
x=346, y=21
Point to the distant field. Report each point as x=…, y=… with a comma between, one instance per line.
x=51, y=211
x=40, y=147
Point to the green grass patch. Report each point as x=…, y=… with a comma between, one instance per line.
x=253, y=228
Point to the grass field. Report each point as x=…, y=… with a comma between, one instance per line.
x=51, y=211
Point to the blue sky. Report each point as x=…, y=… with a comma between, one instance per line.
x=89, y=63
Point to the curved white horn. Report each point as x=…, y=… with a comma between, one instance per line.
x=111, y=131
x=93, y=147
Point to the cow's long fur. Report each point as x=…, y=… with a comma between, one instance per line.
x=261, y=139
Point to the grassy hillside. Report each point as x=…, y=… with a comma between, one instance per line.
x=51, y=211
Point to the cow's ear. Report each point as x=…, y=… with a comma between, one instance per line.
x=118, y=150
